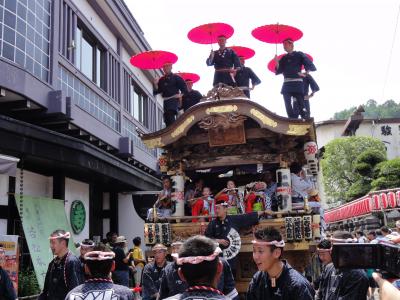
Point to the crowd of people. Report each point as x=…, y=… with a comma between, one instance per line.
x=230, y=70
x=196, y=269
x=255, y=196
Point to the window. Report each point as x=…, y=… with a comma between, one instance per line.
x=90, y=57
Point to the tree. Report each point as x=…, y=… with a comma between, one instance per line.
x=389, y=109
x=387, y=175
x=339, y=163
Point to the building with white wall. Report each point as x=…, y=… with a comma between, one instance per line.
x=71, y=107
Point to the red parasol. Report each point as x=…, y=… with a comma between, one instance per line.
x=154, y=59
x=276, y=33
x=245, y=52
x=272, y=63
x=209, y=33
x=189, y=76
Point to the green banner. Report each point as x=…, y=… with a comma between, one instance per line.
x=40, y=217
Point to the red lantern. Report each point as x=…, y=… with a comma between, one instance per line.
x=383, y=200
x=375, y=202
x=398, y=198
x=392, y=199
x=163, y=163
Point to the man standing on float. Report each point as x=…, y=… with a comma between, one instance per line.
x=172, y=87
x=290, y=66
x=244, y=76
x=225, y=62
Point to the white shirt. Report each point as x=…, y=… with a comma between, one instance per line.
x=300, y=186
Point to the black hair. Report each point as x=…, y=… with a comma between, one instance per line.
x=100, y=268
x=324, y=244
x=372, y=233
x=204, y=272
x=137, y=241
x=295, y=168
x=87, y=242
x=360, y=232
x=269, y=234
x=59, y=232
x=385, y=229
x=341, y=234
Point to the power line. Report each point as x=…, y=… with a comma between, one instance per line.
x=391, y=53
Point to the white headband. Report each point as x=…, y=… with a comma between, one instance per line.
x=194, y=260
x=319, y=250
x=66, y=236
x=280, y=244
x=349, y=240
x=99, y=255
x=87, y=245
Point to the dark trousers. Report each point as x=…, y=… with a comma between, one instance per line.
x=307, y=107
x=169, y=117
x=293, y=111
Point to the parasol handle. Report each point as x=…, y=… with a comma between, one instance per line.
x=276, y=39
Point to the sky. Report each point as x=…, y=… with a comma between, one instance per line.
x=350, y=42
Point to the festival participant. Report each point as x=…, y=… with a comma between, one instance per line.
x=255, y=199
x=290, y=66
x=275, y=278
x=225, y=62
x=309, y=83
x=64, y=272
x=121, y=271
x=163, y=204
x=324, y=250
x=301, y=187
x=244, y=76
x=231, y=195
x=84, y=247
x=200, y=268
x=192, y=97
x=204, y=205
x=171, y=87
x=171, y=284
x=351, y=284
x=111, y=237
x=138, y=259
x=152, y=273
x=99, y=264
x=270, y=191
x=192, y=193
x=225, y=230
x=7, y=291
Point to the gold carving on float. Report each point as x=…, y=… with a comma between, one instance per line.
x=298, y=129
x=154, y=143
x=263, y=118
x=221, y=109
x=181, y=128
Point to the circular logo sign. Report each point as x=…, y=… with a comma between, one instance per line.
x=77, y=216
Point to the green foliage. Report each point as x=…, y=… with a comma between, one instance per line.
x=366, y=162
x=389, y=109
x=387, y=175
x=340, y=161
x=27, y=283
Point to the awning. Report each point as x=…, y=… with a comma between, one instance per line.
x=8, y=165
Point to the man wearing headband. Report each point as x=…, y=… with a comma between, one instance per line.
x=244, y=76
x=225, y=230
x=324, y=250
x=275, y=278
x=349, y=284
x=84, y=247
x=99, y=264
x=64, y=272
x=225, y=62
x=192, y=97
x=172, y=284
x=200, y=268
x=290, y=66
x=7, y=291
x=152, y=273
x=171, y=87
